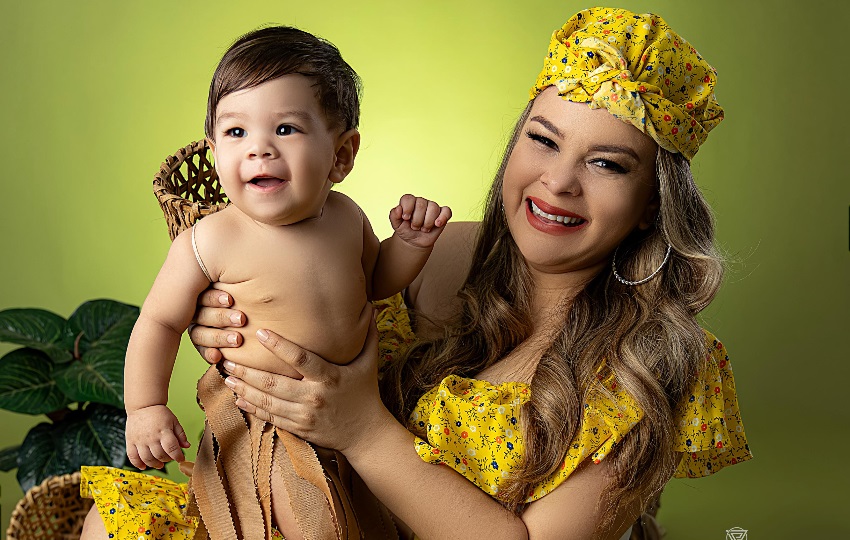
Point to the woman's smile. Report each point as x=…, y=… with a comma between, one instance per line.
x=552, y=220
x=576, y=184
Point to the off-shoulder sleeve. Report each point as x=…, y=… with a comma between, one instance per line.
x=711, y=435
x=473, y=427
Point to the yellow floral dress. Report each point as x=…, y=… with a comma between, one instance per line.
x=473, y=427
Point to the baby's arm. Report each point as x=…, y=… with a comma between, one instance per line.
x=417, y=223
x=154, y=436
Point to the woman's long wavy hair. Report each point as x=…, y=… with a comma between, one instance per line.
x=647, y=335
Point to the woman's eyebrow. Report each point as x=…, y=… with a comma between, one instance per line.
x=612, y=148
x=547, y=124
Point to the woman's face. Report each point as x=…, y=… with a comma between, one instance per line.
x=576, y=184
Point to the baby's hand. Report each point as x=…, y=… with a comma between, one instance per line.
x=418, y=221
x=154, y=437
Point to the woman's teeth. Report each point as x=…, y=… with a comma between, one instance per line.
x=552, y=217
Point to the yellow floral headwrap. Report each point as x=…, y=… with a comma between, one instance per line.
x=640, y=70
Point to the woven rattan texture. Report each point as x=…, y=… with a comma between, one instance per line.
x=187, y=187
x=52, y=509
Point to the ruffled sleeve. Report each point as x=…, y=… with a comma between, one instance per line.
x=711, y=435
x=472, y=427
x=394, y=331
x=607, y=416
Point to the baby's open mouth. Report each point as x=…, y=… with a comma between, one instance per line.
x=266, y=181
x=567, y=221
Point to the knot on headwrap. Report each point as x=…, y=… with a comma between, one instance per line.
x=639, y=69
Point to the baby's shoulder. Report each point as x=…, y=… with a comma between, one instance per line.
x=342, y=208
x=219, y=225
x=219, y=234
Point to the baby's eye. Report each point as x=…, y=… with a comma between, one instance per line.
x=284, y=129
x=608, y=165
x=235, y=132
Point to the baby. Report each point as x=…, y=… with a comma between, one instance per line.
x=300, y=259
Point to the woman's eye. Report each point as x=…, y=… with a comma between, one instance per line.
x=545, y=141
x=283, y=130
x=608, y=165
x=235, y=132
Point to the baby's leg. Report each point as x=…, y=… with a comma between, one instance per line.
x=282, y=515
x=93, y=527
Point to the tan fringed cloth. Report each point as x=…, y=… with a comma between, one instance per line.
x=230, y=486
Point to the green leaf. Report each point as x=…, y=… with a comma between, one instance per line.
x=38, y=329
x=9, y=458
x=94, y=436
x=103, y=324
x=97, y=377
x=27, y=385
x=38, y=457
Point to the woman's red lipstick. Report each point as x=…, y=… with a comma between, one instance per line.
x=551, y=219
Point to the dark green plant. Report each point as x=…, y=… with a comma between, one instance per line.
x=72, y=371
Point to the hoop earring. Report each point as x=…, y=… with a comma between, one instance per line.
x=644, y=280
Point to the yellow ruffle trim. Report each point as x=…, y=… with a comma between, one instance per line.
x=473, y=426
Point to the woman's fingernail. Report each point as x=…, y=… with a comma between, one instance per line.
x=262, y=335
x=223, y=300
x=228, y=365
x=240, y=403
x=232, y=339
x=236, y=318
x=230, y=382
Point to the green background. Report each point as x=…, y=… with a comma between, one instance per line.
x=95, y=95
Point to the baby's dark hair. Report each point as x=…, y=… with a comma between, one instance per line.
x=268, y=53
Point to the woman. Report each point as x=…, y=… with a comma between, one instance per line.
x=571, y=380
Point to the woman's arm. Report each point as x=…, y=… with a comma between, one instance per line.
x=339, y=407
x=345, y=412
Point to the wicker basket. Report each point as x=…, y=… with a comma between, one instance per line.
x=52, y=509
x=187, y=187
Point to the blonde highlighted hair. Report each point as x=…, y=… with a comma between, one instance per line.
x=647, y=335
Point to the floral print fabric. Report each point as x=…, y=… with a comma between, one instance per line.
x=473, y=426
x=639, y=69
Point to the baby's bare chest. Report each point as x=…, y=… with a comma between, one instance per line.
x=307, y=266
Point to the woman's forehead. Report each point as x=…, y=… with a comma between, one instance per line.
x=580, y=120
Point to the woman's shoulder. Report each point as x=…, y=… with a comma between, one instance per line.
x=434, y=291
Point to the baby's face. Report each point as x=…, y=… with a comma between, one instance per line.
x=274, y=150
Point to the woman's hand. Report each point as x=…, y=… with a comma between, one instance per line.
x=332, y=406
x=207, y=330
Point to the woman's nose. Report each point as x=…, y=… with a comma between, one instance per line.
x=562, y=181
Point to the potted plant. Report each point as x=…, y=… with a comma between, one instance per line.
x=72, y=371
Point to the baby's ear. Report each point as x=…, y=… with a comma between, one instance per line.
x=347, y=145
x=211, y=144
